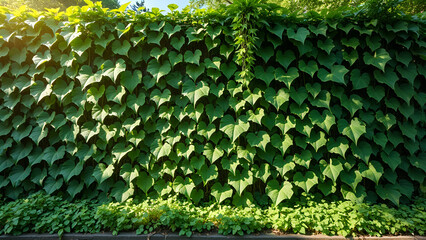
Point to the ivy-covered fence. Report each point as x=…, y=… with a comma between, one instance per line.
x=112, y=105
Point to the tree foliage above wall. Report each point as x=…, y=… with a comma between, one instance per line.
x=112, y=105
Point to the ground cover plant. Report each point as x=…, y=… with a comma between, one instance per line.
x=41, y=213
x=244, y=106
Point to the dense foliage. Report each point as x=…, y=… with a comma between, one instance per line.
x=406, y=6
x=61, y=4
x=112, y=105
x=48, y=214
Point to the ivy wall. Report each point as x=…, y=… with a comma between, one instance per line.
x=112, y=105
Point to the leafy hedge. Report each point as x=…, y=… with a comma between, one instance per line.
x=48, y=214
x=109, y=104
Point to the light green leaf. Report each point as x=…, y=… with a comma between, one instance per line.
x=184, y=187
x=89, y=130
x=307, y=181
x=233, y=128
x=120, y=48
x=277, y=193
x=240, y=180
x=130, y=81
x=325, y=120
x=282, y=144
x=120, y=150
x=212, y=153
x=144, y=182
x=260, y=140
x=311, y=68
x=193, y=57
x=51, y=155
x=159, y=149
x=115, y=94
x=379, y=59
x=158, y=70
x=353, y=131
x=277, y=99
x=195, y=91
x=337, y=74
x=331, y=169
x=373, y=171
x=87, y=77
x=102, y=172
x=300, y=35
x=160, y=97
x=208, y=173
x=70, y=169
x=220, y=193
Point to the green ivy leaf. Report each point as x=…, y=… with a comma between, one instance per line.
x=277, y=99
x=18, y=174
x=158, y=70
x=373, y=171
x=352, y=104
x=376, y=93
x=379, y=59
x=300, y=35
x=183, y=187
x=193, y=57
x=234, y=128
x=51, y=184
x=70, y=169
x=212, y=153
x=266, y=75
x=260, y=140
x=195, y=91
x=286, y=58
x=307, y=181
x=278, y=193
x=161, y=97
x=121, y=192
x=286, y=77
x=102, y=172
x=389, y=192
x=337, y=74
x=177, y=43
x=311, y=68
x=352, y=178
x=115, y=94
x=208, y=173
x=195, y=71
x=282, y=144
x=240, y=180
x=51, y=155
x=220, y=193
x=363, y=150
x=331, y=169
x=120, y=48
x=353, y=131
x=393, y=159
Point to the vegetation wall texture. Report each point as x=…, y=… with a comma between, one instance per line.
x=114, y=107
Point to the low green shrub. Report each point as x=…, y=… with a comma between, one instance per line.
x=48, y=214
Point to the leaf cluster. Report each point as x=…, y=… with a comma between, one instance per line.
x=47, y=214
